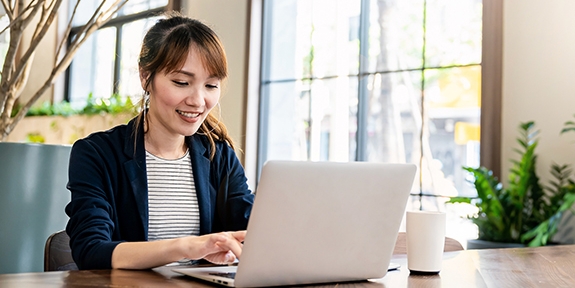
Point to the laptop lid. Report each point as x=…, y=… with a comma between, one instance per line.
x=318, y=222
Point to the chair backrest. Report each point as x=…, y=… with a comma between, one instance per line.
x=57, y=253
x=401, y=244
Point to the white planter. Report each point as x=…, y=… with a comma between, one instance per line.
x=33, y=195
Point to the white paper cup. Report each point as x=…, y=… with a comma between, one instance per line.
x=425, y=241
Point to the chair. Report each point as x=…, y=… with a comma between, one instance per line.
x=57, y=253
x=401, y=244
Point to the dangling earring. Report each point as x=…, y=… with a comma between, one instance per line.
x=146, y=104
x=217, y=123
x=146, y=99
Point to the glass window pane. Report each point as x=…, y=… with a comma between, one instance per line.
x=92, y=70
x=452, y=99
x=4, y=37
x=287, y=122
x=86, y=8
x=136, y=6
x=453, y=32
x=287, y=50
x=394, y=117
x=335, y=42
x=311, y=122
x=84, y=11
x=132, y=36
x=331, y=119
x=324, y=30
x=395, y=35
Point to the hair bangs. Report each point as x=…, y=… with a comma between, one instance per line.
x=211, y=53
x=173, y=55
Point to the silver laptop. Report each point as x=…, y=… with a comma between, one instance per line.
x=319, y=222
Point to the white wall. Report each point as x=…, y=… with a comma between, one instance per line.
x=538, y=79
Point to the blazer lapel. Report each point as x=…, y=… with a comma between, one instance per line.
x=201, y=169
x=136, y=172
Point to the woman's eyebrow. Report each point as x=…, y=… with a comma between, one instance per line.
x=185, y=73
x=193, y=75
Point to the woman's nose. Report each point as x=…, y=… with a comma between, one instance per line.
x=194, y=97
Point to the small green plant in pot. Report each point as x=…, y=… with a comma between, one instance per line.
x=525, y=211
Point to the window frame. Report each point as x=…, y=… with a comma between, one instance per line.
x=491, y=85
x=117, y=22
x=491, y=92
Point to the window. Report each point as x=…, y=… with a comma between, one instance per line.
x=5, y=36
x=107, y=63
x=381, y=81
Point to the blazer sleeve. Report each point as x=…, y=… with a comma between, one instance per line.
x=234, y=199
x=91, y=209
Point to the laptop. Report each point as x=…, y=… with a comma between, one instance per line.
x=318, y=222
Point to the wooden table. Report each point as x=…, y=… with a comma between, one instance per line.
x=551, y=266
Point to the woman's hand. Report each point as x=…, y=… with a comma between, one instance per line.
x=218, y=248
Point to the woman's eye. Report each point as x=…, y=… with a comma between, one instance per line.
x=212, y=86
x=180, y=83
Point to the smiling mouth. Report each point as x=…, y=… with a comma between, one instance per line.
x=188, y=115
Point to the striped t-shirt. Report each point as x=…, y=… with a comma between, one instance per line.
x=172, y=201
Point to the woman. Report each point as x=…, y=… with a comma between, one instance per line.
x=165, y=186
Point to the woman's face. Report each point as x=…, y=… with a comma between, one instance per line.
x=181, y=100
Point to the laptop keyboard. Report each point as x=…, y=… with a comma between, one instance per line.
x=230, y=275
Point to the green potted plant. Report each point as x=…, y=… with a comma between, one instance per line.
x=525, y=212
x=61, y=123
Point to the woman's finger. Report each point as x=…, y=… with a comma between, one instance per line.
x=239, y=235
x=232, y=244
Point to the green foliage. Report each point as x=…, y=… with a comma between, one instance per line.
x=113, y=105
x=569, y=126
x=526, y=211
x=35, y=138
x=47, y=109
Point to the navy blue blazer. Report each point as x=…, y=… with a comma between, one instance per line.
x=109, y=205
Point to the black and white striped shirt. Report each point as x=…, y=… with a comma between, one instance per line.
x=172, y=201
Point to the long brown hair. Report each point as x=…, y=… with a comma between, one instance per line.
x=165, y=49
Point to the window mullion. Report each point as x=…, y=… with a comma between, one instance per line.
x=264, y=106
x=118, y=59
x=362, y=93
